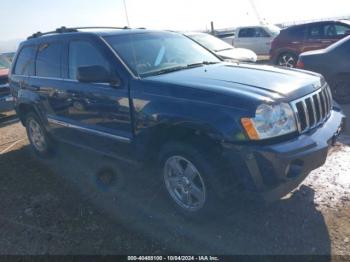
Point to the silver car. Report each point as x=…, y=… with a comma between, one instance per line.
x=221, y=48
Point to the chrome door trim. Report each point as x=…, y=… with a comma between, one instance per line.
x=88, y=130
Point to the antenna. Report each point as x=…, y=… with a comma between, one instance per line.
x=126, y=13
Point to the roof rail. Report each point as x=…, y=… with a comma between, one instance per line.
x=64, y=29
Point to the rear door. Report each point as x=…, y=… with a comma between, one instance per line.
x=23, y=68
x=96, y=115
x=315, y=38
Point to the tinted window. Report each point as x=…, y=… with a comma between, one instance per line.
x=25, y=61
x=316, y=31
x=297, y=33
x=336, y=30
x=247, y=32
x=48, y=63
x=83, y=53
x=253, y=32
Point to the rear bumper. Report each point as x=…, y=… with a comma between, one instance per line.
x=272, y=171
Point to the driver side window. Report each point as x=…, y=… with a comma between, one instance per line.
x=84, y=53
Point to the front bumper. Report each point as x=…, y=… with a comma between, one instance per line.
x=272, y=171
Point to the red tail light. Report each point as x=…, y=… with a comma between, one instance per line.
x=300, y=64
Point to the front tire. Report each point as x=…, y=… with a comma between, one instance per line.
x=341, y=89
x=37, y=135
x=189, y=178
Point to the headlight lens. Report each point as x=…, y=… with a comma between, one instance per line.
x=270, y=121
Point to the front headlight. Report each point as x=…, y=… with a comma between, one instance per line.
x=270, y=121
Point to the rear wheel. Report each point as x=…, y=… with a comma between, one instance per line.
x=287, y=60
x=341, y=89
x=38, y=137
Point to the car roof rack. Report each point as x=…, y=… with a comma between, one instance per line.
x=64, y=29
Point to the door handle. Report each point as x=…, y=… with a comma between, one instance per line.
x=296, y=42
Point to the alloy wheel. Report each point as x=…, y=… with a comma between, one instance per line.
x=184, y=183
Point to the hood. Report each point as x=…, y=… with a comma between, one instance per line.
x=257, y=81
x=240, y=54
x=4, y=72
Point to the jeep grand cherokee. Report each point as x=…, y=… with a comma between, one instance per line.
x=152, y=96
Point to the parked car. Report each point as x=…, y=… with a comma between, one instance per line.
x=211, y=127
x=6, y=99
x=222, y=49
x=255, y=38
x=333, y=63
x=295, y=40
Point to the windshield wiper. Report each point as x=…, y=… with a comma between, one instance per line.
x=200, y=64
x=178, y=68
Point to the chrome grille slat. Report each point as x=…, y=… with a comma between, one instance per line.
x=313, y=109
x=306, y=112
x=323, y=103
x=319, y=105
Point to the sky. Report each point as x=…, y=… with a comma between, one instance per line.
x=22, y=18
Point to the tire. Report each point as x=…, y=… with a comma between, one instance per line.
x=340, y=87
x=189, y=179
x=39, y=139
x=287, y=60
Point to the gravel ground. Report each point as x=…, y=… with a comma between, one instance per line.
x=56, y=206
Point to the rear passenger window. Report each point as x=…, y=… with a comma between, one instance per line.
x=83, y=53
x=25, y=61
x=48, y=63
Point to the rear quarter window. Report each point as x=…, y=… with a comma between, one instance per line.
x=25, y=61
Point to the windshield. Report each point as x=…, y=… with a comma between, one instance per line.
x=210, y=42
x=4, y=63
x=153, y=53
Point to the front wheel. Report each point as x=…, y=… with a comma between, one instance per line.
x=189, y=178
x=341, y=90
x=287, y=60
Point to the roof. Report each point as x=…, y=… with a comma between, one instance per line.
x=317, y=22
x=100, y=31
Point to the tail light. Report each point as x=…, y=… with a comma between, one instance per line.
x=300, y=64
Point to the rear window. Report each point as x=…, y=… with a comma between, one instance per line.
x=48, y=63
x=25, y=61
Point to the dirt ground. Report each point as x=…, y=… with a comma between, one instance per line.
x=59, y=206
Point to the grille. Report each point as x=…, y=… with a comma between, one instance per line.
x=314, y=109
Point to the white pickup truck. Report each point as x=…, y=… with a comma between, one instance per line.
x=256, y=38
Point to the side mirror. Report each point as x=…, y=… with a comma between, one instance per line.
x=96, y=74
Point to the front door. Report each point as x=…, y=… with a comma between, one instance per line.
x=96, y=115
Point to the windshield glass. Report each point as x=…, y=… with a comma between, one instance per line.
x=151, y=53
x=210, y=42
x=4, y=63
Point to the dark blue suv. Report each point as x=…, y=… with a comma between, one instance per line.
x=209, y=126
